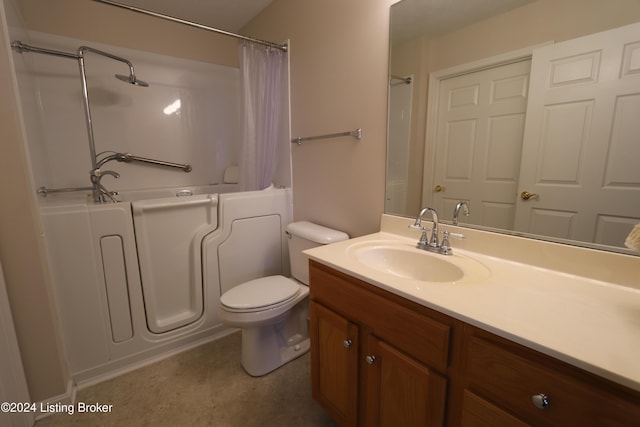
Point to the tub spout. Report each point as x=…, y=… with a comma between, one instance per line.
x=100, y=193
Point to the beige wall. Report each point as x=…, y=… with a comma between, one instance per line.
x=21, y=252
x=88, y=20
x=338, y=57
x=535, y=23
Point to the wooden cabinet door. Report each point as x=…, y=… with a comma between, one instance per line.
x=334, y=364
x=400, y=390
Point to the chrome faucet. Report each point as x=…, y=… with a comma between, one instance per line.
x=100, y=193
x=433, y=243
x=465, y=211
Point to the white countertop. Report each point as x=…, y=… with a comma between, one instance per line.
x=589, y=323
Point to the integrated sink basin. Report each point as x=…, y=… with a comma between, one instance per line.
x=409, y=264
x=405, y=261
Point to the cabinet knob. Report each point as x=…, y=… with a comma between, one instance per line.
x=370, y=359
x=540, y=401
x=347, y=343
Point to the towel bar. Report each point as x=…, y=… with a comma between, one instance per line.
x=354, y=133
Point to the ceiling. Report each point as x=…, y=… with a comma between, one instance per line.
x=411, y=18
x=228, y=15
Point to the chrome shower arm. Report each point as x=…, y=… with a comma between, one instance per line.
x=83, y=49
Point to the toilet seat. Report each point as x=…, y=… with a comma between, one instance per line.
x=260, y=294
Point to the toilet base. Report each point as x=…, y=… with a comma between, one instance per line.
x=262, y=354
x=264, y=350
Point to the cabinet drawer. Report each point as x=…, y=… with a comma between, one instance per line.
x=509, y=380
x=403, y=325
x=477, y=412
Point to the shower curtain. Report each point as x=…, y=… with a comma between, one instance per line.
x=262, y=84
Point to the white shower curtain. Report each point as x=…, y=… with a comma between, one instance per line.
x=262, y=80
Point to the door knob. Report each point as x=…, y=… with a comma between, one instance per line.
x=370, y=359
x=438, y=188
x=347, y=343
x=525, y=195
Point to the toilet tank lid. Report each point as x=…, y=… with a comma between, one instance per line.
x=316, y=233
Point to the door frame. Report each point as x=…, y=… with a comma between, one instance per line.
x=433, y=98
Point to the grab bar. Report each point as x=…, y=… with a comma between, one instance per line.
x=44, y=191
x=127, y=157
x=141, y=206
x=354, y=133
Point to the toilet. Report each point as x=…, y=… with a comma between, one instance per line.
x=273, y=311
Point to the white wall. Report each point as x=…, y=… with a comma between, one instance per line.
x=126, y=118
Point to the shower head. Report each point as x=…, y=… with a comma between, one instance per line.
x=131, y=78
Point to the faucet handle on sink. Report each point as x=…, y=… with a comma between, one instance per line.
x=445, y=248
x=424, y=240
x=459, y=236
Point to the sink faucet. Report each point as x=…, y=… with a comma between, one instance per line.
x=465, y=211
x=433, y=244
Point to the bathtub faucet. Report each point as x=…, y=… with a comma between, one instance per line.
x=115, y=156
x=100, y=193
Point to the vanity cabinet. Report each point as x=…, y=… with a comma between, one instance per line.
x=506, y=384
x=378, y=359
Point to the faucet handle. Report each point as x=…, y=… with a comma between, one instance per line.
x=424, y=241
x=445, y=247
x=459, y=236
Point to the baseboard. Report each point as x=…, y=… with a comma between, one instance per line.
x=64, y=402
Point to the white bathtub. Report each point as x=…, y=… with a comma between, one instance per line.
x=136, y=279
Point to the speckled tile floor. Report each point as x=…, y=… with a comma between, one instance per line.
x=205, y=386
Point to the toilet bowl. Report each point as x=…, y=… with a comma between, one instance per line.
x=273, y=311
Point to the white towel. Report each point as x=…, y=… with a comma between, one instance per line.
x=633, y=239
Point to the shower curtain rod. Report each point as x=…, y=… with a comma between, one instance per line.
x=282, y=47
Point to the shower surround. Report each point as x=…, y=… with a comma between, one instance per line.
x=139, y=279
x=190, y=113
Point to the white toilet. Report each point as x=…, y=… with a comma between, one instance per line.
x=273, y=311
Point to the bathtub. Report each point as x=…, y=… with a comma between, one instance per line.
x=142, y=278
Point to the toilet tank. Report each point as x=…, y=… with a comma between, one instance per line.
x=305, y=235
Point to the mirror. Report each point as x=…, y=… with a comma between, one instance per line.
x=538, y=169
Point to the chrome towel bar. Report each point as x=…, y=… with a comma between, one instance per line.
x=354, y=133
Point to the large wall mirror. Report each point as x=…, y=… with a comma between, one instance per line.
x=528, y=110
